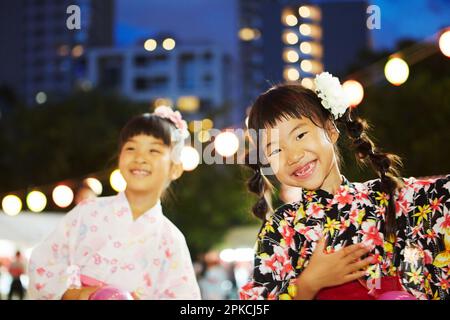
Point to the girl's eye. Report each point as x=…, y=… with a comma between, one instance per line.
x=301, y=135
x=129, y=148
x=274, y=152
x=154, y=151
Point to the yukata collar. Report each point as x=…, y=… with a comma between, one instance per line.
x=320, y=193
x=151, y=213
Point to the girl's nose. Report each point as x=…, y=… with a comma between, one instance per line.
x=295, y=157
x=140, y=158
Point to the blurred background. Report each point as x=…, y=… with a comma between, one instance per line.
x=70, y=77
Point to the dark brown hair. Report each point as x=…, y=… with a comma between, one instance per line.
x=286, y=101
x=147, y=124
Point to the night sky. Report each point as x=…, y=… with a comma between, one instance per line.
x=191, y=20
x=417, y=19
x=202, y=20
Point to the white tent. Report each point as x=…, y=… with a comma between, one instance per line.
x=25, y=230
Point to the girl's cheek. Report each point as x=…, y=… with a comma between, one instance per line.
x=123, y=159
x=323, y=138
x=166, y=157
x=275, y=165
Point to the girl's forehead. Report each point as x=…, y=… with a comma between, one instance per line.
x=283, y=128
x=287, y=125
x=288, y=121
x=145, y=139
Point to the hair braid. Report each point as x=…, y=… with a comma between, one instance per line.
x=384, y=164
x=258, y=185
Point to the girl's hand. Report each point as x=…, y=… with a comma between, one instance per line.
x=331, y=269
x=79, y=294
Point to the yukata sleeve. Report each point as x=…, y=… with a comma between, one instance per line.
x=51, y=267
x=274, y=262
x=178, y=280
x=429, y=220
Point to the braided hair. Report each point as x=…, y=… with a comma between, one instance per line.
x=286, y=101
x=259, y=185
x=386, y=165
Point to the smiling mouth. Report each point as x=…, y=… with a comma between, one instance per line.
x=140, y=173
x=305, y=171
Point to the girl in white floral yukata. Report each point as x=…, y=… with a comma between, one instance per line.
x=341, y=240
x=124, y=241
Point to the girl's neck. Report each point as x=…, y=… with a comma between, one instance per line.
x=332, y=181
x=141, y=202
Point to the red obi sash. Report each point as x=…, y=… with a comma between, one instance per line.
x=356, y=290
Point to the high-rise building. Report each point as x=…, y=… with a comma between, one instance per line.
x=41, y=57
x=192, y=77
x=345, y=34
x=251, y=49
x=292, y=40
x=302, y=43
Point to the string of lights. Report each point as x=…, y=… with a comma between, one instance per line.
x=396, y=70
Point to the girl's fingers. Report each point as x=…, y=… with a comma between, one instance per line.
x=321, y=245
x=86, y=292
x=349, y=249
x=354, y=276
x=358, y=265
x=356, y=254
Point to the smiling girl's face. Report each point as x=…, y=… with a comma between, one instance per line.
x=302, y=154
x=145, y=164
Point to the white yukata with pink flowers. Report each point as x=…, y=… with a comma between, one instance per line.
x=99, y=240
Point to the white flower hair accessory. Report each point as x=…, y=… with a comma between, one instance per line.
x=178, y=134
x=332, y=94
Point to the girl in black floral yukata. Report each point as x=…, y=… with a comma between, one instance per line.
x=341, y=240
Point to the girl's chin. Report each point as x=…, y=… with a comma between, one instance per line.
x=312, y=183
x=137, y=188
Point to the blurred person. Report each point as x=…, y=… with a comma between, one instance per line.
x=341, y=239
x=213, y=284
x=199, y=266
x=123, y=241
x=84, y=193
x=233, y=288
x=16, y=269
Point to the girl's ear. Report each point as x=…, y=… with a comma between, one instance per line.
x=176, y=171
x=332, y=132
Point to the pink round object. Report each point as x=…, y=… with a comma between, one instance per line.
x=110, y=293
x=396, y=295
